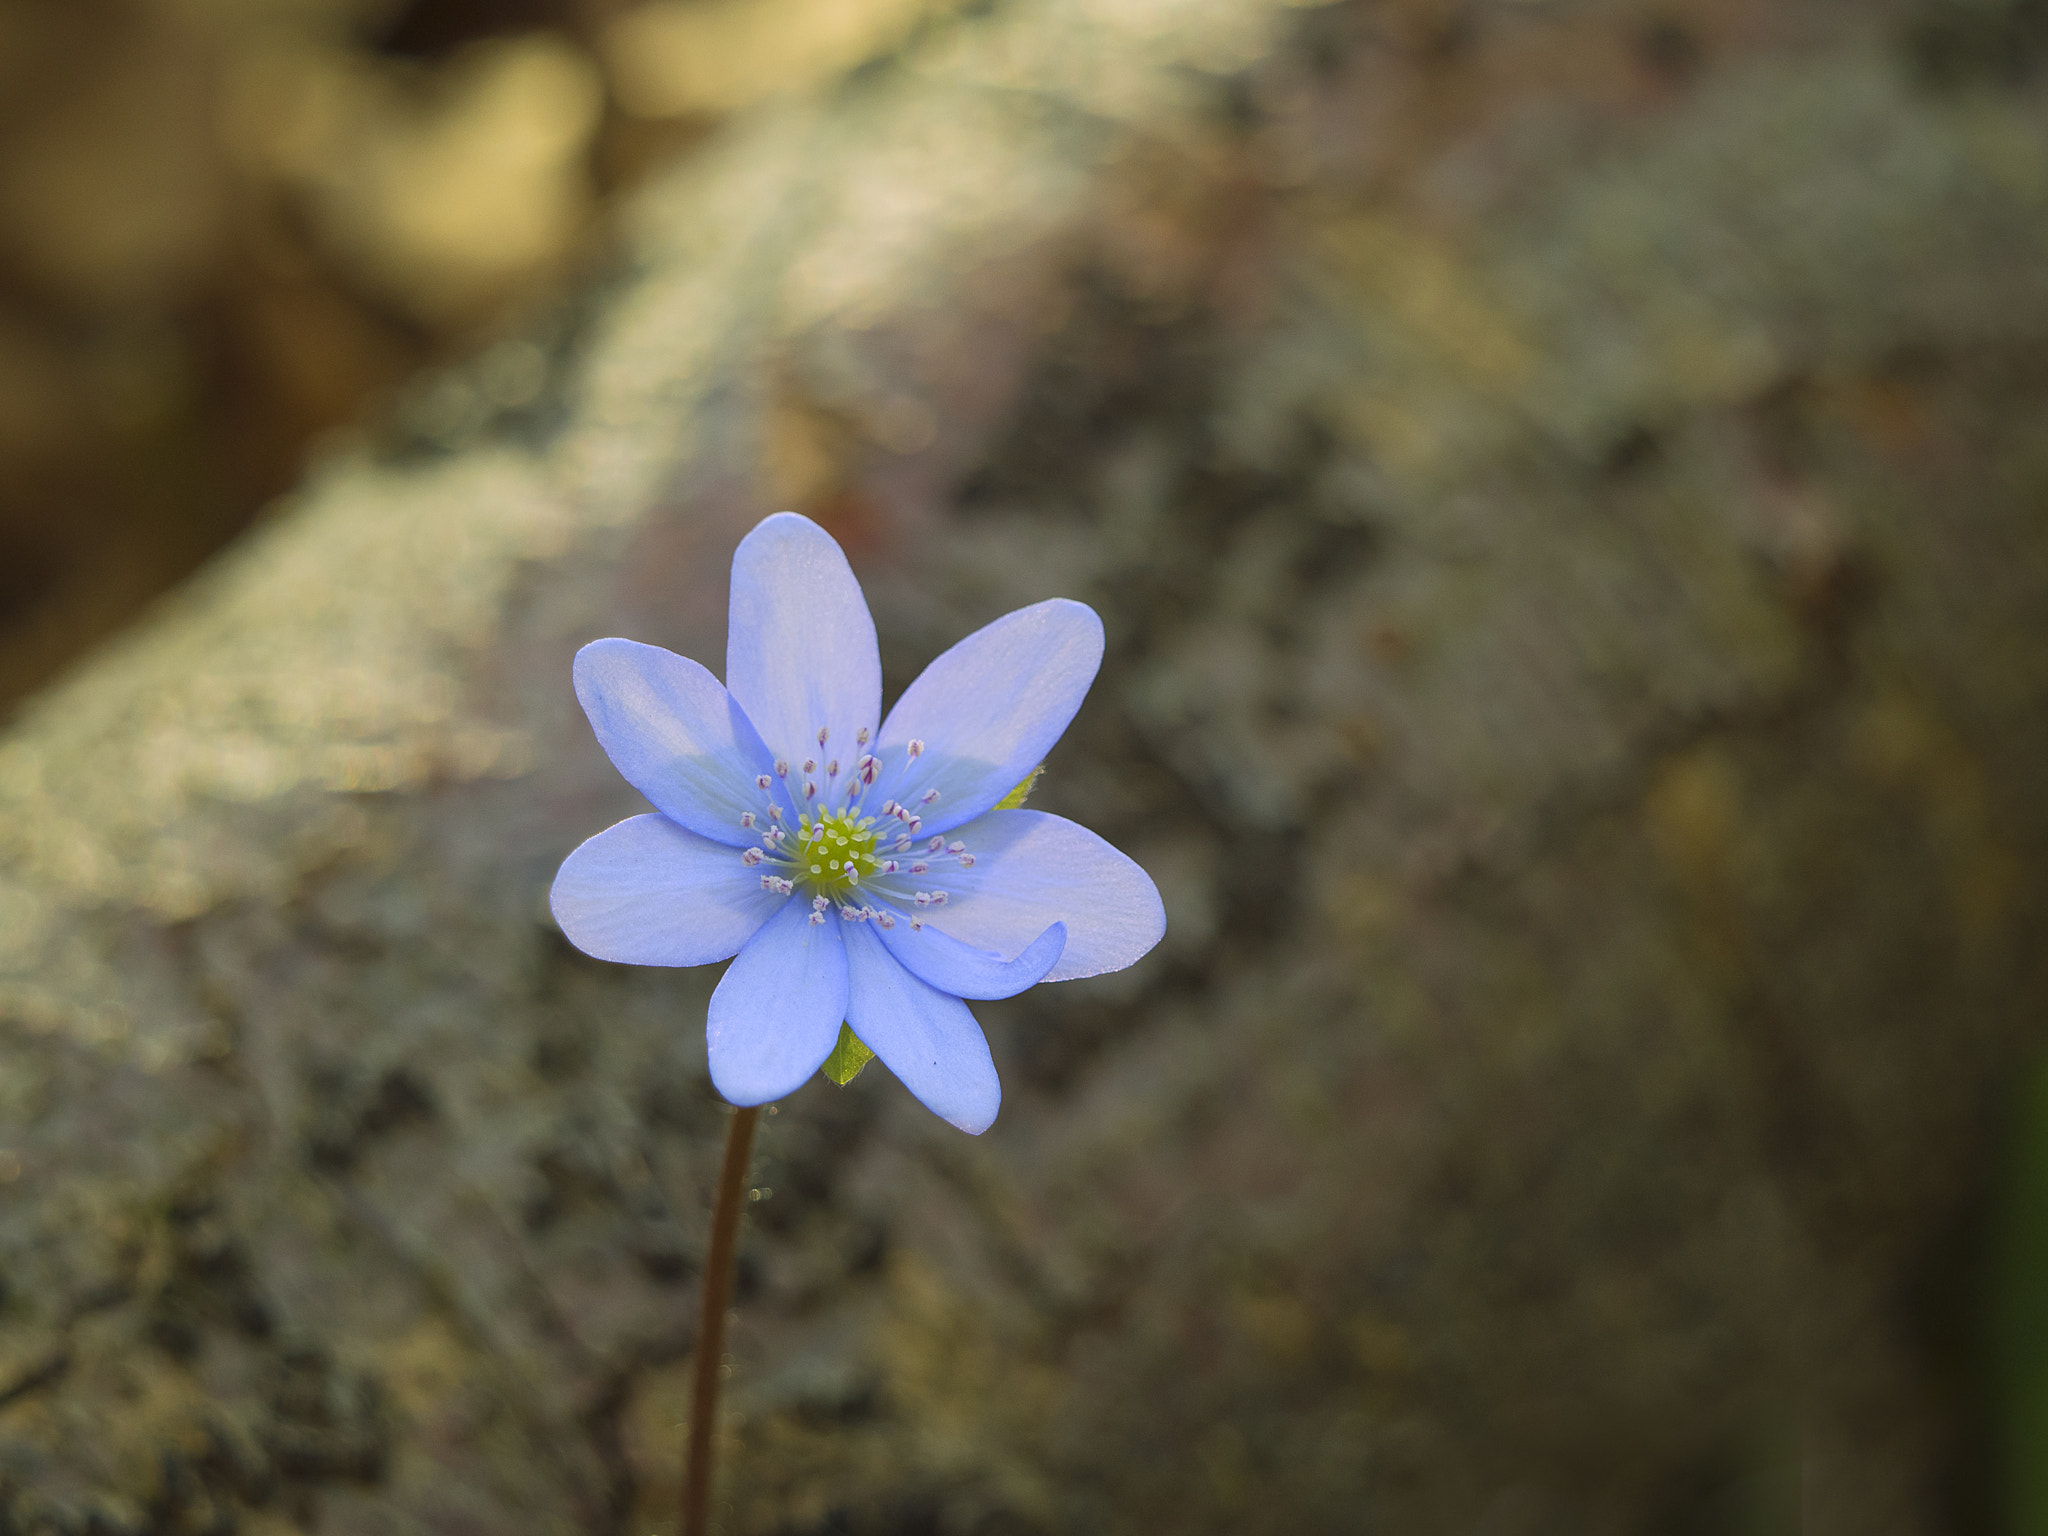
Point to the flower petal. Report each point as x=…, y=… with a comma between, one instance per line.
x=675, y=734
x=776, y=1013
x=646, y=892
x=800, y=647
x=989, y=710
x=928, y=1039
x=944, y=962
x=1032, y=869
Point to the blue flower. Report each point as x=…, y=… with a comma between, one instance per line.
x=860, y=874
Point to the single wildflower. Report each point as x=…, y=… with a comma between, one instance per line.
x=998, y=898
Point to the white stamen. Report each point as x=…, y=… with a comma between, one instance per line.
x=917, y=925
x=860, y=737
x=938, y=898
x=868, y=769
x=884, y=920
x=916, y=822
x=935, y=845
x=928, y=797
x=888, y=866
x=903, y=845
x=817, y=919
x=810, y=790
x=762, y=781
x=956, y=847
x=832, y=769
x=849, y=915
x=823, y=732
x=818, y=903
x=751, y=857
x=775, y=813
x=810, y=765
x=920, y=868
x=746, y=818
x=916, y=747
x=782, y=767
x=922, y=898
x=967, y=861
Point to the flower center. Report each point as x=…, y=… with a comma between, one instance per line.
x=835, y=851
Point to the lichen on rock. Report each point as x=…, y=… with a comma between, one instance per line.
x=1576, y=641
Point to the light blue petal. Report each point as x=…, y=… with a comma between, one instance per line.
x=989, y=710
x=674, y=733
x=800, y=647
x=776, y=1013
x=929, y=1040
x=646, y=892
x=946, y=963
x=1031, y=870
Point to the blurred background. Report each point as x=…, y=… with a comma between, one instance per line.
x=1566, y=482
x=231, y=229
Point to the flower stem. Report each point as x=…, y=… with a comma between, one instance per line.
x=718, y=1266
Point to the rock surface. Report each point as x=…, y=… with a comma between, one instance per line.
x=1564, y=486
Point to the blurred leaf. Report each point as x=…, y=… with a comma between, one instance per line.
x=2018, y=1314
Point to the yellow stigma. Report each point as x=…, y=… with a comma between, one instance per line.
x=834, y=852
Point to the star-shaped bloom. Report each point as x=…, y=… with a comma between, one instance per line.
x=862, y=873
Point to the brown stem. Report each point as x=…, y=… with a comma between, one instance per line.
x=725, y=1229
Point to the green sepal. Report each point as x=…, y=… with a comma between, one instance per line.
x=1022, y=792
x=847, y=1058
